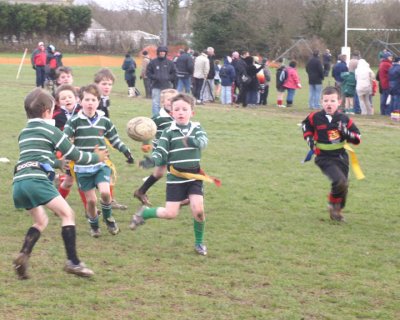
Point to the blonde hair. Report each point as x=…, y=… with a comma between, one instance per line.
x=167, y=92
x=37, y=102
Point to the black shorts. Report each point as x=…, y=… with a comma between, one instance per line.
x=181, y=191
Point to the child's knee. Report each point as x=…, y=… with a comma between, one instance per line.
x=199, y=215
x=105, y=197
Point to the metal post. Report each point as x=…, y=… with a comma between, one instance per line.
x=346, y=9
x=165, y=19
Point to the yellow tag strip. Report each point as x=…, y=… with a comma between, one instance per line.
x=354, y=163
x=196, y=176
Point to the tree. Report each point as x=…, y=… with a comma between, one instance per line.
x=79, y=20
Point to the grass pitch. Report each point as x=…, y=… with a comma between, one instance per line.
x=273, y=252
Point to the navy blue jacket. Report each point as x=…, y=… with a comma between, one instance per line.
x=394, y=79
x=337, y=70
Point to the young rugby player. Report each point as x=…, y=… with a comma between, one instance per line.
x=179, y=147
x=32, y=188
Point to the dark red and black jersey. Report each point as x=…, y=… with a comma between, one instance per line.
x=62, y=115
x=324, y=129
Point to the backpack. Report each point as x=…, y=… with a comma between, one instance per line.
x=281, y=76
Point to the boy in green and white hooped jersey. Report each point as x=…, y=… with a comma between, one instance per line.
x=179, y=147
x=32, y=188
x=90, y=128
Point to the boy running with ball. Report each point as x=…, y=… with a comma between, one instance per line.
x=179, y=147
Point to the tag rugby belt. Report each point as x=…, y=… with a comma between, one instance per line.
x=45, y=167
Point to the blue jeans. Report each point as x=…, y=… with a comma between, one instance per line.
x=356, y=107
x=155, y=97
x=290, y=95
x=226, y=94
x=385, y=110
x=40, y=76
x=183, y=83
x=315, y=96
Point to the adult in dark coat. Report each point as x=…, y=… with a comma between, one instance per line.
x=315, y=73
x=184, y=70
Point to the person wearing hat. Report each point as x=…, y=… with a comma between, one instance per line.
x=38, y=61
x=161, y=73
x=394, y=85
x=383, y=75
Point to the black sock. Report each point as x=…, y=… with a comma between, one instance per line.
x=148, y=183
x=69, y=236
x=31, y=237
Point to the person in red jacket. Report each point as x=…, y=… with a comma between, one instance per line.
x=38, y=61
x=291, y=83
x=383, y=75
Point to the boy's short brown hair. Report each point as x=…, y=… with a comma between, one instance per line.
x=331, y=90
x=183, y=97
x=102, y=74
x=65, y=87
x=37, y=102
x=63, y=69
x=92, y=89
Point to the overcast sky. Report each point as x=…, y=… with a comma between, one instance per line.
x=112, y=4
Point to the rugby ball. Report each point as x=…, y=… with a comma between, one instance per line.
x=141, y=129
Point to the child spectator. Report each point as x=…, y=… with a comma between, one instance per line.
x=264, y=78
x=281, y=75
x=326, y=132
x=180, y=148
x=129, y=66
x=349, y=87
x=163, y=121
x=291, y=83
x=217, y=79
x=228, y=76
x=32, y=188
x=88, y=129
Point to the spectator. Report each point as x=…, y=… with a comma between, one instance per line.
x=338, y=68
x=161, y=73
x=264, y=78
x=228, y=76
x=129, y=66
x=38, y=61
x=315, y=73
x=201, y=69
x=383, y=75
x=364, y=78
x=394, y=85
x=327, y=61
x=143, y=76
x=208, y=87
x=184, y=70
x=240, y=69
x=291, y=83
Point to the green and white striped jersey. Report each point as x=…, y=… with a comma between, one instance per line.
x=87, y=133
x=162, y=120
x=38, y=141
x=172, y=151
